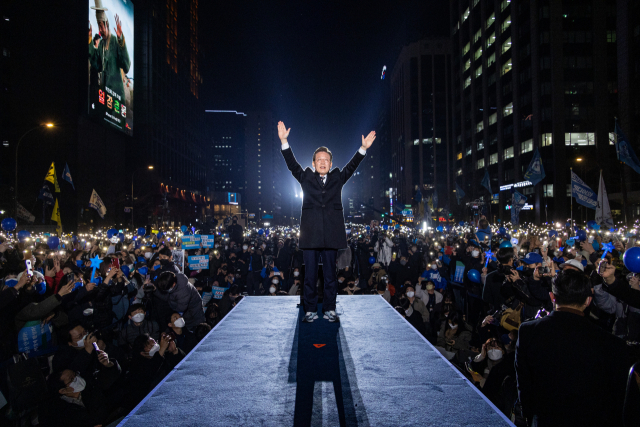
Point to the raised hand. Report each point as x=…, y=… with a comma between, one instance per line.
x=118, y=27
x=283, y=132
x=366, y=142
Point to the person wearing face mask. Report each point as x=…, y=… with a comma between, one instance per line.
x=296, y=282
x=184, y=339
x=137, y=325
x=80, y=400
x=351, y=287
x=453, y=337
x=377, y=273
x=152, y=361
x=254, y=279
x=489, y=368
x=627, y=323
x=77, y=354
x=235, y=230
x=405, y=308
x=181, y=296
x=228, y=298
x=274, y=288
x=432, y=300
x=416, y=303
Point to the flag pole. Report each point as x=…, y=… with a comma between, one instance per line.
x=624, y=193
x=571, y=228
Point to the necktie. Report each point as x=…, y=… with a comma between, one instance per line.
x=324, y=180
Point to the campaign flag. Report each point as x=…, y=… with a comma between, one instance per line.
x=191, y=241
x=35, y=336
x=198, y=262
x=603, y=211
x=96, y=203
x=52, y=178
x=624, y=151
x=25, y=214
x=55, y=216
x=486, y=181
x=459, y=193
x=46, y=195
x=177, y=257
x=535, y=173
x=218, y=292
x=518, y=201
x=66, y=175
x=583, y=194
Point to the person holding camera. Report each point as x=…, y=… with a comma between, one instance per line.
x=569, y=371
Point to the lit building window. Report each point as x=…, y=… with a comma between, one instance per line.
x=491, y=39
x=506, y=45
x=459, y=156
x=526, y=146
x=508, y=153
x=580, y=138
x=506, y=23
x=504, y=5
x=493, y=159
x=508, y=109
x=479, y=126
x=480, y=164
x=546, y=139
x=467, y=82
x=493, y=118
x=479, y=71
x=477, y=54
x=490, y=20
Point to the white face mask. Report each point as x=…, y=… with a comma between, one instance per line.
x=148, y=255
x=245, y=247
x=475, y=253
x=272, y=290
x=80, y=343
x=274, y=281
x=453, y=326
x=78, y=384
x=296, y=273
x=494, y=354
x=410, y=294
x=138, y=317
x=154, y=349
x=340, y=280
x=179, y=323
x=434, y=267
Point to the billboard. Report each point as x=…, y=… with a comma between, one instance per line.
x=110, y=46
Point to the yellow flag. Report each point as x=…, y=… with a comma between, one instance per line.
x=55, y=216
x=52, y=178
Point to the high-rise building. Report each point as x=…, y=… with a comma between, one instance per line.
x=420, y=121
x=226, y=159
x=263, y=169
x=534, y=75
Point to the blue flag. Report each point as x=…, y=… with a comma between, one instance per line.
x=486, y=181
x=625, y=152
x=583, y=194
x=46, y=195
x=535, y=173
x=517, y=203
x=66, y=175
x=459, y=193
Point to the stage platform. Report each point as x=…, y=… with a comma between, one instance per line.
x=261, y=366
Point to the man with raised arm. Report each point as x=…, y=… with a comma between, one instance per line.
x=322, y=230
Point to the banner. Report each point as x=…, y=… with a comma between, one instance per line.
x=218, y=292
x=34, y=336
x=198, y=262
x=55, y=215
x=583, y=194
x=25, y=214
x=535, y=173
x=96, y=203
x=207, y=240
x=603, y=211
x=191, y=241
x=46, y=195
x=517, y=203
x=52, y=178
x=66, y=175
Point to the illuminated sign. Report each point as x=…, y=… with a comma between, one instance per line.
x=232, y=198
x=516, y=185
x=527, y=207
x=110, y=47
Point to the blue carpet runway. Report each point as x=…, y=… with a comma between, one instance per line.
x=261, y=366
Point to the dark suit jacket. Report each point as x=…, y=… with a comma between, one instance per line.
x=322, y=219
x=570, y=372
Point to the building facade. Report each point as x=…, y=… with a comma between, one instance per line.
x=419, y=123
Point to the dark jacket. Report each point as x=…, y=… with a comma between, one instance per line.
x=185, y=299
x=322, y=219
x=570, y=372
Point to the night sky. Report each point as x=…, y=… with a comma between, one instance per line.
x=315, y=64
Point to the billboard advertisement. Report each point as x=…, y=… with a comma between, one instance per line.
x=111, y=63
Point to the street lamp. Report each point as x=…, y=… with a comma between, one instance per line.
x=150, y=167
x=15, y=188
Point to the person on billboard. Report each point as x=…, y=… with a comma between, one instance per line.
x=322, y=230
x=109, y=57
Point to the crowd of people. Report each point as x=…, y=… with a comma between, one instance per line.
x=98, y=324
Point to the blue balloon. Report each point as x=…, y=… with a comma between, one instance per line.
x=261, y=231
x=183, y=228
x=266, y=232
x=581, y=235
x=440, y=228
x=385, y=227
x=53, y=242
x=474, y=276
x=506, y=244
x=372, y=260
x=502, y=230
x=632, y=259
x=142, y=231
x=9, y=224
x=111, y=232
x=23, y=234
x=368, y=228
x=596, y=227
x=461, y=223
x=571, y=242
